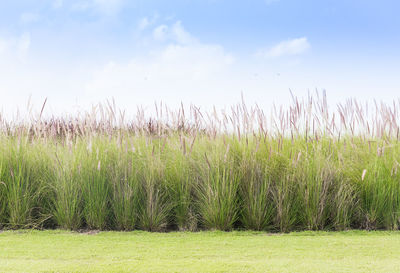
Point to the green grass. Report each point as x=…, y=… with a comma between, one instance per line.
x=300, y=168
x=138, y=251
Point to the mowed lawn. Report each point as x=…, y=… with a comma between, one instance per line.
x=63, y=251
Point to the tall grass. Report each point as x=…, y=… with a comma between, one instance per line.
x=125, y=188
x=154, y=203
x=67, y=191
x=300, y=167
x=217, y=192
x=258, y=208
x=179, y=177
x=24, y=173
x=93, y=171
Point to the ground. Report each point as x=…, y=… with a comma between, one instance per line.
x=63, y=251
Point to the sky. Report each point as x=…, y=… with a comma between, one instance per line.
x=77, y=53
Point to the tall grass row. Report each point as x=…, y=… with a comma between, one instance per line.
x=303, y=167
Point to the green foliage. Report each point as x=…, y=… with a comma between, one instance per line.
x=154, y=198
x=24, y=172
x=67, y=192
x=301, y=173
x=93, y=171
x=125, y=193
x=152, y=184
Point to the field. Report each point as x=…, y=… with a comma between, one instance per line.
x=138, y=251
x=299, y=168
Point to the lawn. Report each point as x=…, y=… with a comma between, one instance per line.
x=63, y=251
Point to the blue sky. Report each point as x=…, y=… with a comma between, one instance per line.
x=80, y=52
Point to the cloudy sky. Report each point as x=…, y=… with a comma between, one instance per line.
x=206, y=52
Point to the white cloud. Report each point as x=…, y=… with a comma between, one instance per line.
x=29, y=17
x=176, y=68
x=3, y=46
x=174, y=33
x=160, y=33
x=182, y=68
x=286, y=48
x=145, y=22
x=23, y=44
x=15, y=47
x=181, y=35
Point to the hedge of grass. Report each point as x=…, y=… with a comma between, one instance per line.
x=300, y=168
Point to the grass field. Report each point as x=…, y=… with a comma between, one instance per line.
x=64, y=251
